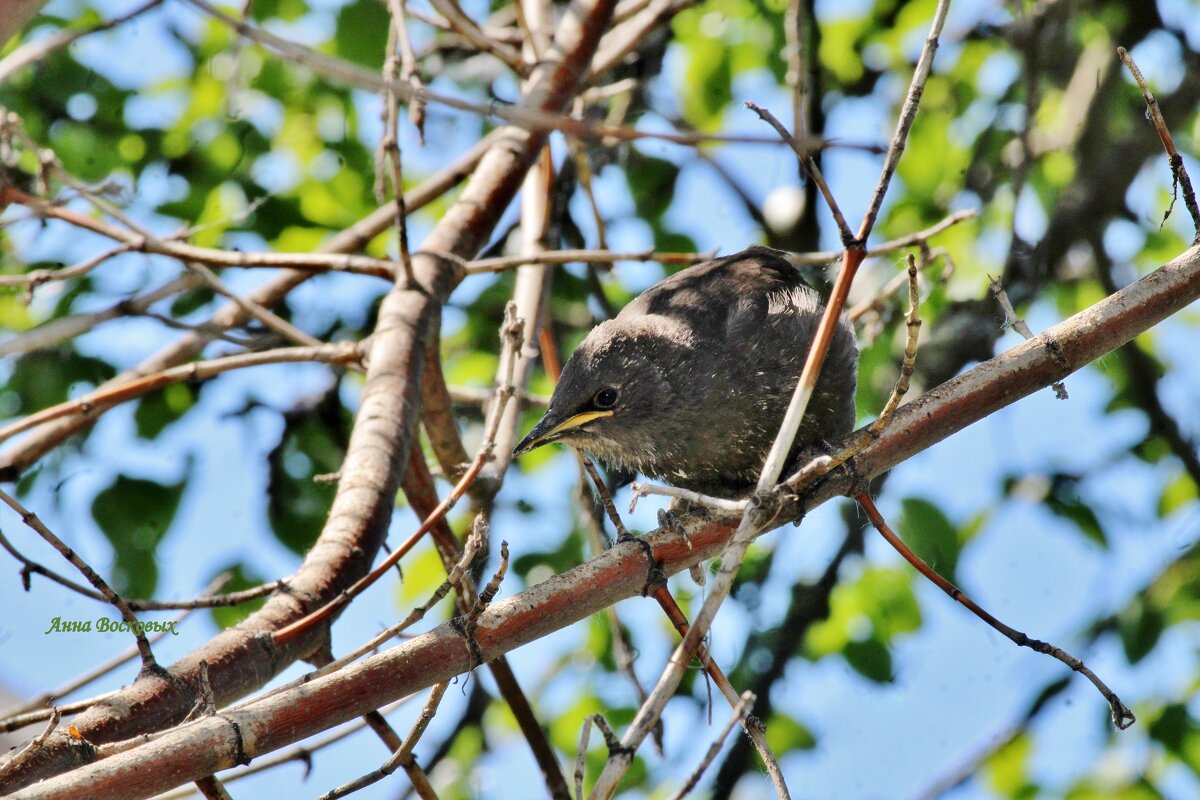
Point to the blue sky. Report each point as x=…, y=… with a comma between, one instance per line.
x=958, y=684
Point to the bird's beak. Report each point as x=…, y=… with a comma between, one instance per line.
x=548, y=430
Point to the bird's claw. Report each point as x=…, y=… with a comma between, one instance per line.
x=669, y=521
x=655, y=575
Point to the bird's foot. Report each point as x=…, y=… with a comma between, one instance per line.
x=669, y=521
x=465, y=627
x=656, y=576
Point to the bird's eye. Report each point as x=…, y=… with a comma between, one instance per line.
x=605, y=398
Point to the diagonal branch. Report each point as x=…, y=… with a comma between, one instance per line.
x=382, y=434
x=260, y=726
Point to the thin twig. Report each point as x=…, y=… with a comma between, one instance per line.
x=137, y=628
x=823, y=465
x=530, y=289
x=642, y=489
x=900, y=243
x=312, y=262
x=34, y=279
x=912, y=323
x=402, y=757
x=1122, y=717
x=35, y=51
x=350, y=74
x=475, y=544
x=31, y=710
x=929, y=256
x=810, y=166
x=502, y=263
x=408, y=70
x=212, y=789
x=581, y=757
x=252, y=309
x=465, y=27
x=624, y=38
x=32, y=448
x=62, y=329
x=1019, y=325
x=606, y=500
x=481, y=397
x=610, y=741
x=389, y=145
x=419, y=489
x=908, y=113
x=666, y=601
x=795, y=21
x=1179, y=175
x=739, y=715
x=101, y=400
x=31, y=567
x=592, y=522
x=31, y=749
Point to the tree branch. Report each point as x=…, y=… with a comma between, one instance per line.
x=213, y=743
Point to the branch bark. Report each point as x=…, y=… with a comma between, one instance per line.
x=241, y=658
x=216, y=743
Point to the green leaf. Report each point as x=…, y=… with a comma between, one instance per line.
x=191, y=300
x=879, y=604
x=362, y=29
x=158, y=409
x=1140, y=625
x=424, y=572
x=1063, y=500
x=1008, y=770
x=652, y=183
x=243, y=578
x=870, y=658
x=312, y=444
x=785, y=734
x=134, y=515
x=931, y=534
x=565, y=556
x=1172, y=726
x=1179, y=492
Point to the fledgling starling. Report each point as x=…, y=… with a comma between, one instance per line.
x=689, y=383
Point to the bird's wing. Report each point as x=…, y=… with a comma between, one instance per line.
x=769, y=297
x=727, y=298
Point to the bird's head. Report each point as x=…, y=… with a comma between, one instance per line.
x=617, y=390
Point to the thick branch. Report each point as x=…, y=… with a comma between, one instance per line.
x=241, y=660
x=210, y=744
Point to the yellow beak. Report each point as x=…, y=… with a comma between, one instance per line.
x=547, y=431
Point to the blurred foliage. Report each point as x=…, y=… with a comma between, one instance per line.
x=313, y=444
x=175, y=120
x=135, y=514
x=241, y=577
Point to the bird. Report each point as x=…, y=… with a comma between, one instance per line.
x=689, y=383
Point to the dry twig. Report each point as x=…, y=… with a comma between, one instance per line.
x=1179, y=175
x=95, y=403
x=739, y=716
x=130, y=620
x=1019, y=325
